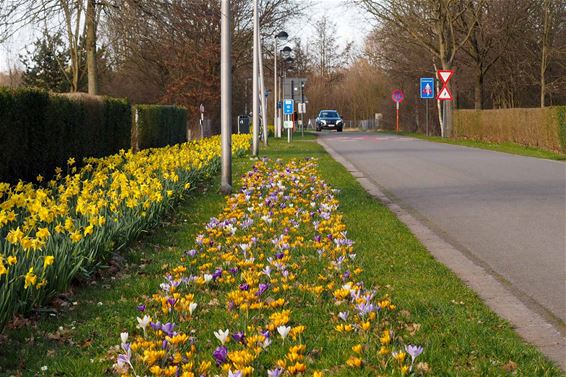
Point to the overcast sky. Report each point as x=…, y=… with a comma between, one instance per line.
x=352, y=24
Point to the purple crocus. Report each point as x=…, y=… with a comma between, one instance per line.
x=141, y=308
x=262, y=288
x=317, y=238
x=274, y=372
x=217, y=274
x=155, y=325
x=234, y=271
x=191, y=253
x=279, y=255
x=220, y=354
x=414, y=351
x=167, y=328
x=171, y=301
x=244, y=287
x=240, y=337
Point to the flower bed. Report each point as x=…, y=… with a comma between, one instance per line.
x=270, y=289
x=52, y=233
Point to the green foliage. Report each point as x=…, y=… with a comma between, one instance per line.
x=39, y=131
x=561, y=118
x=158, y=126
x=46, y=66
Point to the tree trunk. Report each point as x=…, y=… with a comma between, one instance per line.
x=91, y=47
x=478, y=89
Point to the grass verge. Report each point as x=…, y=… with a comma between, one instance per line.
x=511, y=148
x=461, y=336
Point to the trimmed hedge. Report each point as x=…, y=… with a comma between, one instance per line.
x=535, y=127
x=158, y=126
x=40, y=131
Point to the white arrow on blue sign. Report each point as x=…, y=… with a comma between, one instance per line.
x=288, y=106
x=427, y=87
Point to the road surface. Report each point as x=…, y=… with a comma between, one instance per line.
x=508, y=212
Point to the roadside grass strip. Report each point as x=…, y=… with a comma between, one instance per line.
x=55, y=231
x=271, y=288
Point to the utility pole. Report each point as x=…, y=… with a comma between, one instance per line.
x=226, y=97
x=263, y=91
x=255, y=107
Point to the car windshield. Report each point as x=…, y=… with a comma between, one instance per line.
x=329, y=114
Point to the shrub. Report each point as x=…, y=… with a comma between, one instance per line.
x=40, y=131
x=156, y=126
x=536, y=127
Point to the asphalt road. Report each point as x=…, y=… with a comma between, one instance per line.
x=508, y=212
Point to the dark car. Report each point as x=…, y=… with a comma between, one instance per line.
x=329, y=120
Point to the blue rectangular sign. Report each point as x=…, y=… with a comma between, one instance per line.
x=427, y=87
x=288, y=106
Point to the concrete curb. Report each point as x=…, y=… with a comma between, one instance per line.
x=530, y=325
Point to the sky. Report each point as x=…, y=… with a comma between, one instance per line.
x=352, y=25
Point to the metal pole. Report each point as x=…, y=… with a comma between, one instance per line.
x=302, y=108
x=426, y=101
x=275, y=124
x=263, y=98
x=226, y=98
x=255, y=107
x=397, y=127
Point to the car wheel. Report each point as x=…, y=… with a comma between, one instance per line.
x=339, y=129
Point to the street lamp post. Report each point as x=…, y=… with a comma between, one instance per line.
x=282, y=36
x=255, y=97
x=226, y=98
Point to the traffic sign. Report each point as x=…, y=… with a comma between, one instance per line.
x=398, y=95
x=302, y=107
x=288, y=124
x=445, y=76
x=288, y=106
x=445, y=94
x=427, y=88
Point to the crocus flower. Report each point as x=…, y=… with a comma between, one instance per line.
x=414, y=351
x=155, y=325
x=244, y=287
x=220, y=355
x=234, y=374
x=240, y=337
x=262, y=289
x=124, y=337
x=192, y=307
x=141, y=308
x=217, y=274
x=191, y=253
x=143, y=322
x=283, y=331
x=274, y=372
x=222, y=336
x=207, y=278
x=343, y=316
x=168, y=328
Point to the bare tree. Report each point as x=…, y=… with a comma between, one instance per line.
x=433, y=24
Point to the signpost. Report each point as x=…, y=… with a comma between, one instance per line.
x=288, y=109
x=398, y=97
x=427, y=92
x=201, y=109
x=444, y=94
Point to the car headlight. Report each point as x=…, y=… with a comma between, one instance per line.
x=322, y=121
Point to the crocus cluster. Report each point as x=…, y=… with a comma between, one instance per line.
x=270, y=288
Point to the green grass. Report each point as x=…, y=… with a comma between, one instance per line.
x=461, y=336
x=511, y=148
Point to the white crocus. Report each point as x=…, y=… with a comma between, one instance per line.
x=192, y=307
x=283, y=331
x=207, y=278
x=222, y=336
x=124, y=337
x=143, y=322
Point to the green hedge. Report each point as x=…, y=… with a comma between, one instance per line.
x=158, y=126
x=535, y=127
x=40, y=131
